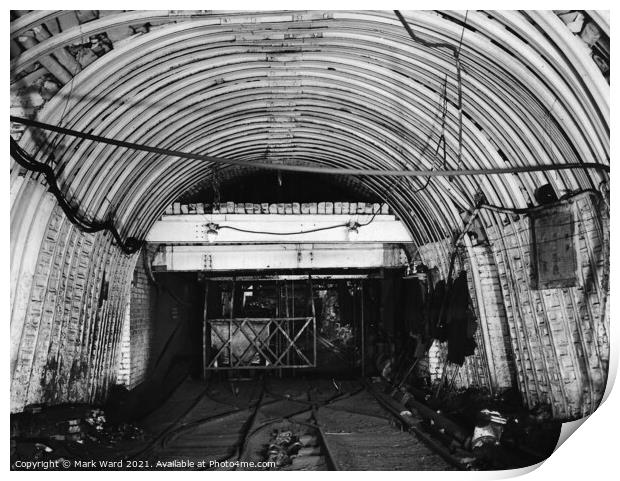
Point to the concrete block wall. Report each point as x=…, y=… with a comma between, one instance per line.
x=436, y=359
x=138, y=328
x=559, y=336
x=124, y=359
x=68, y=292
x=142, y=315
x=327, y=208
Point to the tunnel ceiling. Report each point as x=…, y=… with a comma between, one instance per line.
x=262, y=186
x=322, y=88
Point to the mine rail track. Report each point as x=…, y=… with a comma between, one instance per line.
x=298, y=425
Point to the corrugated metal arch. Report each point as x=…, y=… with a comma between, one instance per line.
x=332, y=88
x=323, y=88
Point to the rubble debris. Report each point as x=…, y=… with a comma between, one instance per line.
x=281, y=447
x=85, y=56
x=488, y=430
x=100, y=44
x=286, y=449
x=49, y=88
x=66, y=432
x=590, y=34
x=573, y=19
x=84, y=16
x=496, y=429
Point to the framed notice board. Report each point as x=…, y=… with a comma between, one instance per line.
x=554, y=256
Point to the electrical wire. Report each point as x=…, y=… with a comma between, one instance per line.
x=307, y=168
x=456, y=51
x=249, y=231
x=442, y=138
x=462, y=32
x=129, y=246
x=351, y=225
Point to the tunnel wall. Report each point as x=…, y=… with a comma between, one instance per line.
x=68, y=292
x=142, y=315
x=124, y=357
x=491, y=366
x=551, y=343
x=349, y=98
x=486, y=294
x=138, y=328
x=559, y=336
x=162, y=338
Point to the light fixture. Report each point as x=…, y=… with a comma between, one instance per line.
x=353, y=226
x=352, y=230
x=212, y=230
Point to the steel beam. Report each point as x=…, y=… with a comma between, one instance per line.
x=272, y=228
x=277, y=256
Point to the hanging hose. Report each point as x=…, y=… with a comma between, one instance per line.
x=129, y=246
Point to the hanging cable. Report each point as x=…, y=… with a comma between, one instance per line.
x=249, y=231
x=352, y=225
x=441, y=141
x=456, y=51
x=129, y=246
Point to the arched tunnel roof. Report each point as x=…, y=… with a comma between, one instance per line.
x=324, y=88
x=508, y=93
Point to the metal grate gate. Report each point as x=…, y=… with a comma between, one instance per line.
x=259, y=343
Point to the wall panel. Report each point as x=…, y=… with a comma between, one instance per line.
x=64, y=331
x=558, y=335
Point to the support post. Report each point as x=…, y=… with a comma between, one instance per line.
x=206, y=337
x=230, y=324
x=313, y=316
x=278, y=309
x=362, y=332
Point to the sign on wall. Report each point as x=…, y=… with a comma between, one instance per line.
x=554, y=257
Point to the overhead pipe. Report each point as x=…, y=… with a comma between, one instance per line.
x=306, y=169
x=431, y=22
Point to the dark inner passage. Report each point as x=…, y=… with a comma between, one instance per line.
x=193, y=314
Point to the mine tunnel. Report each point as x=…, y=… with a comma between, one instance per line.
x=306, y=240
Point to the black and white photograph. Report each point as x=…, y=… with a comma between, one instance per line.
x=308, y=240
